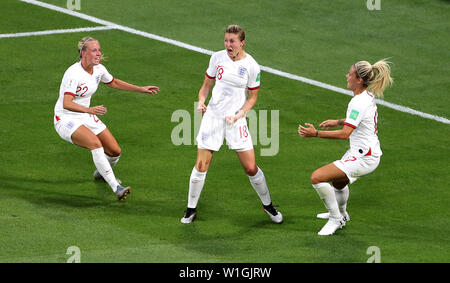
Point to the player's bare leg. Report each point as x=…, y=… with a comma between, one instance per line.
x=196, y=183
x=204, y=157
x=109, y=143
x=83, y=137
x=247, y=159
x=258, y=182
x=328, y=173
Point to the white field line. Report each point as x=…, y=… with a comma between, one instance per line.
x=209, y=52
x=55, y=31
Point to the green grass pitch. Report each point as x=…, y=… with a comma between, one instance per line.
x=50, y=201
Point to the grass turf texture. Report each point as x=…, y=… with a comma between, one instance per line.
x=50, y=201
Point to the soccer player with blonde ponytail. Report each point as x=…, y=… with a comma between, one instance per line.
x=360, y=126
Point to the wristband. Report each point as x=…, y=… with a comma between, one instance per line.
x=317, y=133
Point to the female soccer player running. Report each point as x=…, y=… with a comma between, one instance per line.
x=77, y=122
x=360, y=125
x=235, y=74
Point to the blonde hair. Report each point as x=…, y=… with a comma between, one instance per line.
x=236, y=30
x=377, y=77
x=82, y=45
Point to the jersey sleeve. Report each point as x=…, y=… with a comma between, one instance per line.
x=106, y=76
x=212, y=68
x=254, y=77
x=69, y=83
x=355, y=113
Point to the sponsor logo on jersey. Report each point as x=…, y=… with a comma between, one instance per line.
x=72, y=84
x=354, y=114
x=258, y=78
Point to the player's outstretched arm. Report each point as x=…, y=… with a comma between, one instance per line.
x=122, y=85
x=309, y=131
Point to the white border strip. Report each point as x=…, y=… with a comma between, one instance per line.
x=55, y=31
x=111, y=25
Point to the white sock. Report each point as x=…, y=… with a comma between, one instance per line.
x=326, y=193
x=196, y=183
x=104, y=168
x=342, y=198
x=112, y=160
x=259, y=184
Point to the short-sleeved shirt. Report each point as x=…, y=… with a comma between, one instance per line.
x=233, y=79
x=362, y=115
x=81, y=85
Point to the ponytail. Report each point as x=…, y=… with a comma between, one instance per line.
x=382, y=79
x=377, y=77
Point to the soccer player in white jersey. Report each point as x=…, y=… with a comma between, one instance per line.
x=360, y=126
x=76, y=122
x=236, y=75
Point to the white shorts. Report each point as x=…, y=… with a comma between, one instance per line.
x=214, y=129
x=355, y=166
x=66, y=125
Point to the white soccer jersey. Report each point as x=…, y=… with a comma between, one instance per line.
x=80, y=84
x=362, y=115
x=233, y=80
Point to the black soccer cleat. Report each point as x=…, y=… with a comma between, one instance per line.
x=189, y=216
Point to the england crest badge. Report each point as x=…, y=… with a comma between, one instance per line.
x=242, y=71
